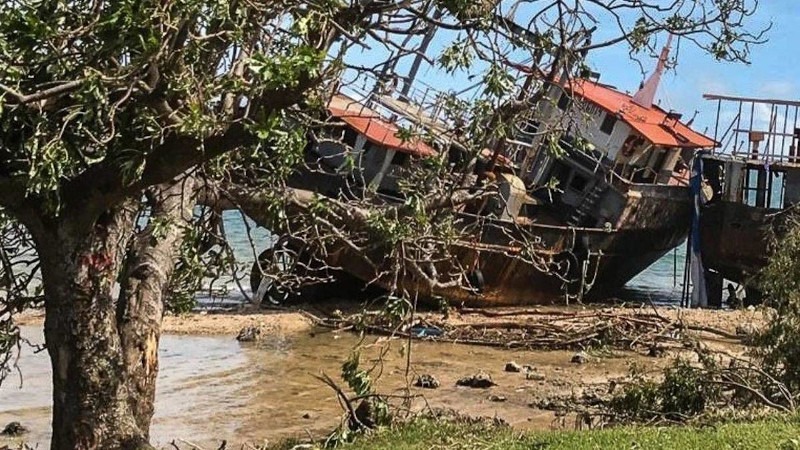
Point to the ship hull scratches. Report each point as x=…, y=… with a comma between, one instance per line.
x=566, y=264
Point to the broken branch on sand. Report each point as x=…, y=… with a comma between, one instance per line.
x=553, y=330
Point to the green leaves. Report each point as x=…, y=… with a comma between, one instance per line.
x=469, y=10
x=459, y=55
x=498, y=81
x=685, y=391
x=287, y=69
x=355, y=377
x=132, y=164
x=10, y=341
x=49, y=165
x=387, y=230
x=282, y=141
x=639, y=36
x=779, y=342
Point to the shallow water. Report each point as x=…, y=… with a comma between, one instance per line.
x=662, y=282
x=213, y=388
x=198, y=375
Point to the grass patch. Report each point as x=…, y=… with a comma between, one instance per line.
x=782, y=434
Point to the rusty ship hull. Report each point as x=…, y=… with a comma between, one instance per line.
x=748, y=212
x=736, y=238
x=571, y=263
x=750, y=193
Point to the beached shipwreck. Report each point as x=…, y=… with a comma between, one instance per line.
x=752, y=183
x=576, y=224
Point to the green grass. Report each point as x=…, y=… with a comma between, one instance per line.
x=783, y=434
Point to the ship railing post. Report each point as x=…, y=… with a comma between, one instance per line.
x=783, y=138
x=736, y=132
x=795, y=142
x=716, y=126
x=795, y=138
x=772, y=134
x=752, y=116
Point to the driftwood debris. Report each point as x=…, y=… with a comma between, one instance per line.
x=550, y=330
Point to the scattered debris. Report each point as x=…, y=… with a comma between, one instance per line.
x=453, y=416
x=549, y=404
x=250, y=333
x=303, y=447
x=422, y=331
x=534, y=376
x=528, y=368
x=512, y=366
x=14, y=429
x=656, y=351
x=369, y=414
x=480, y=380
x=579, y=358
x=550, y=330
x=497, y=398
x=427, y=381
x=746, y=330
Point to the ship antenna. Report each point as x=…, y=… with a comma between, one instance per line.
x=647, y=93
x=691, y=121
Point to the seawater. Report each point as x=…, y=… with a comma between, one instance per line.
x=661, y=283
x=212, y=388
x=247, y=240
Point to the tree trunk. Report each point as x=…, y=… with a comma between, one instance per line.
x=104, y=347
x=90, y=409
x=141, y=304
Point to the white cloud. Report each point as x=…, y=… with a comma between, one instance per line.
x=781, y=89
x=714, y=86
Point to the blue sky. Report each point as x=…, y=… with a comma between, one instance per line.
x=773, y=72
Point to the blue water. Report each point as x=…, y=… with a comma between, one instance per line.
x=247, y=241
x=660, y=283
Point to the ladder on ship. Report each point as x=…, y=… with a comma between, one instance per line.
x=586, y=205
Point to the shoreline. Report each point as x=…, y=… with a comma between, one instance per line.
x=212, y=323
x=298, y=319
x=281, y=370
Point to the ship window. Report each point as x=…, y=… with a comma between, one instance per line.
x=607, y=126
x=578, y=183
x=777, y=190
x=528, y=131
x=350, y=136
x=564, y=102
x=750, y=190
x=764, y=189
x=399, y=158
x=560, y=174
x=366, y=148
x=660, y=160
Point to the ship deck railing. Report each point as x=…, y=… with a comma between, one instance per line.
x=765, y=130
x=774, y=160
x=417, y=106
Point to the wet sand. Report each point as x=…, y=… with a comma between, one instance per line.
x=724, y=320
x=212, y=387
x=214, y=322
x=287, y=321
